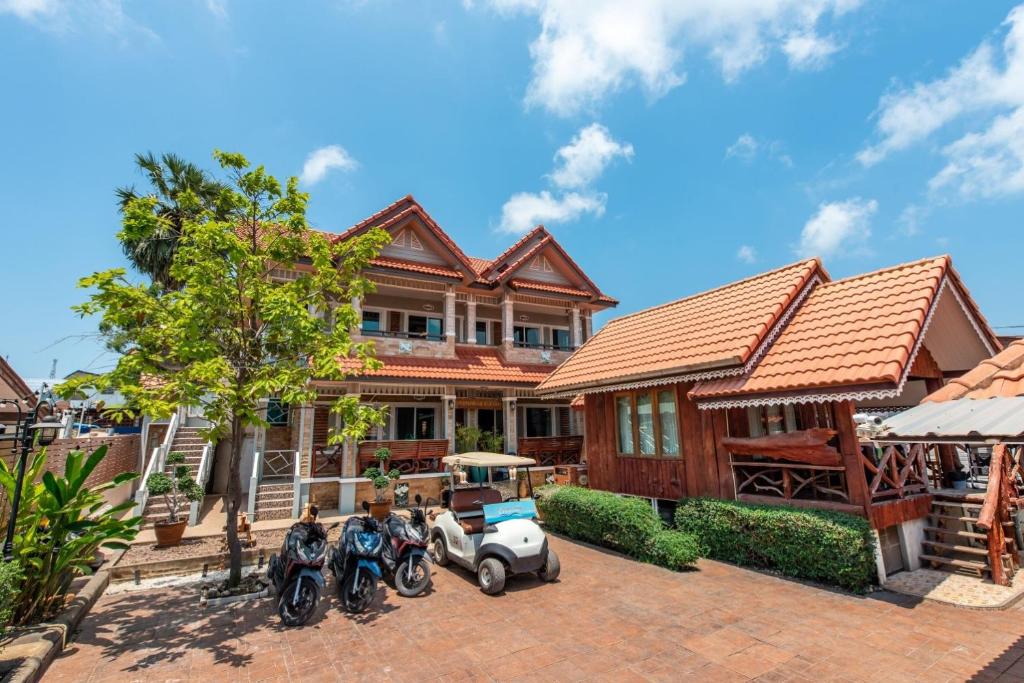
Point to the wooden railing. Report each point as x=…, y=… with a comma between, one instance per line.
x=549, y=451
x=791, y=481
x=417, y=456
x=327, y=461
x=995, y=513
x=895, y=471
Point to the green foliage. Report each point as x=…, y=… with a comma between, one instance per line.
x=380, y=476
x=10, y=579
x=467, y=439
x=625, y=524
x=177, y=488
x=228, y=333
x=820, y=545
x=492, y=442
x=61, y=524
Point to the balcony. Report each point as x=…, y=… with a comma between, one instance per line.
x=401, y=335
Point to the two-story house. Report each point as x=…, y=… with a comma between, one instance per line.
x=463, y=341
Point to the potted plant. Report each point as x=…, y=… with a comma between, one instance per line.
x=492, y=442
x=381, y=477
x=177, y=488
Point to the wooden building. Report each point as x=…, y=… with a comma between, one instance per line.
x=750, y=391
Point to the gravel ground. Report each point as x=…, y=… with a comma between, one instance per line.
x=138, y=554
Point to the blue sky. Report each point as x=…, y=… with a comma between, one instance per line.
x=670, y=146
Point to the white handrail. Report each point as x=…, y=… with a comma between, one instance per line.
x=254, y=484
x=142, y=494
x=201, y=476
x=296, y=485
x=157, y=460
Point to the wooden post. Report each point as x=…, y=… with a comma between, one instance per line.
x=849, y=448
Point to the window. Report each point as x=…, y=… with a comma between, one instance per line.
x=768, y=420
x=526, y=336
x=277, y=412
x=489, y=420
x=414, y=423
x=538, y=421
x=429, y=328
x=560, y=339
x=371, y=321
x=648, y=424
x=481, y=331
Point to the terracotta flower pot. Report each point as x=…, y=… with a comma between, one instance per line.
x=380, y=511
x=170, y=533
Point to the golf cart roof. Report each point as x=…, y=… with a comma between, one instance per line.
x=487, y=460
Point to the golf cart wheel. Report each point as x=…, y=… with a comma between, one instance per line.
x=297, y=612
x=491, y=576
x=440, y=551
x=551, y=568
x=411, y=586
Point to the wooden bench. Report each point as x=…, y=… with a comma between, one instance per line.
x=408, y=457
x=549, y=451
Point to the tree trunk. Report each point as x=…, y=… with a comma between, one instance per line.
x=233, y=500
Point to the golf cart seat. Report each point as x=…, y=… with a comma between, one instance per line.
x=468, y=506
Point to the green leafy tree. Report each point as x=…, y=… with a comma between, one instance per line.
x=179, y=190
x=176, y=488
x=61, y=524
x=243, y=322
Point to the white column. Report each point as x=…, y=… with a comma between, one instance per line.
x=577, y=328
x=449, y=314
x=471, y=320
x=511, y=440
x=588, y=324
x=507, y=320
x=449, y=421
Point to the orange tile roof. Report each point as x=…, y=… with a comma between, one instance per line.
x=858, y=331
x=470, y=365
x=716, y=330
x=480, y=264
x=1001, y=375
x=547, y=287
x=415, y=267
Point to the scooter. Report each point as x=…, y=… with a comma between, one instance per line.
x=296, y=572
x=355, y=561
x=405, y=558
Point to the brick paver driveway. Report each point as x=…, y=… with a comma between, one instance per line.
x=607, y=619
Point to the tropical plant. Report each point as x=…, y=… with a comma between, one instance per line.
x=380, y=476
x=176, y=488
x=467, y=439
x=492, y=442
x=10, y=579
x=231, y=333
x=61, y=524
x=180, y=190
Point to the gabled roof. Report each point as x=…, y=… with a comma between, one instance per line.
x=1000, y=376
x=857, y=336
x=714, y=333
x=469, y=365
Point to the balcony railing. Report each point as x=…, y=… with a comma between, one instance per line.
x=543, y=347
x=895, y=471
x=791, y=481
x=549, y=451
x=414, y=456
x=402, y=335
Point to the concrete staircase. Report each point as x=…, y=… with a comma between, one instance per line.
x=188, y=441
x=953, y=538
x=274, y=499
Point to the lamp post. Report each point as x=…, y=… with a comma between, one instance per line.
x=48, y=431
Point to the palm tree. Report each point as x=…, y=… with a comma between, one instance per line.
x=170, y=178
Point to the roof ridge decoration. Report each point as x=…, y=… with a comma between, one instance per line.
x=547, y=241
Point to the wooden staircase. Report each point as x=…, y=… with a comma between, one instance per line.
x=954, y=539
x=188, y=441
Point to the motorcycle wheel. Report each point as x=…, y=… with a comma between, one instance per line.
x=355, y=598
x=410, y=587
x=298, y=613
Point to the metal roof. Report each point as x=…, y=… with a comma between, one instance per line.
x=995, y=419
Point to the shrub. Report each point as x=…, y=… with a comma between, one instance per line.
x=10, y=580
x=829, y=547
x=621, y=523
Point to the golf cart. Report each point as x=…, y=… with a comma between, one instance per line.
x=491, y=537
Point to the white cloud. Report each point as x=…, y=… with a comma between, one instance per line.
x=987, y=164
x=584, y=159
x=911, y=218
x=587, y=50
x=29, y=9
x=838, y=226
x=988, y=79
x=525, y=210
x=746, y=254
x=809, y=51
x=321, y=161
x=218, y=8
x=106, y=17
x=747, y=148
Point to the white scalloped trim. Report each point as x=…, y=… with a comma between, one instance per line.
x=826, y=396
x=762, y=347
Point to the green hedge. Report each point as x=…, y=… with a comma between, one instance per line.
x=625, y=524
x=829, y=547
x=10, y=579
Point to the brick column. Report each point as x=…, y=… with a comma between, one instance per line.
x=471, y=321
x=507, y=321
x=577, y=328
x=511, y=440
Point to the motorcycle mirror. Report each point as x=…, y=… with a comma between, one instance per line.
x=366, y=506
x=335, y=525
x=419, y=499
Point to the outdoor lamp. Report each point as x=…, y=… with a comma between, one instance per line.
x=48, y=430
